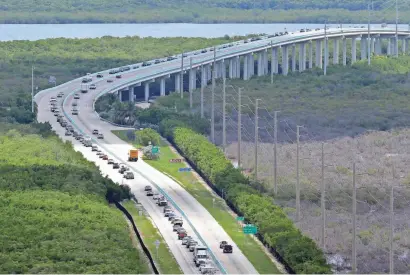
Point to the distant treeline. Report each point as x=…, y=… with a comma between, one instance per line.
x=212, y=11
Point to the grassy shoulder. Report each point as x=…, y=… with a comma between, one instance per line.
x=166, y=261
x=216, y=206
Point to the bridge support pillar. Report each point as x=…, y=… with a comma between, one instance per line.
x=403, y=45
x=265, y=62
x=192, y=79
x=302, y=55
x=336, y=51
x=293, y=58
x=326, y=51
x=344, y=50
x=389, y=46
x=363, y=48
x=378, y=46
x=353, y=50
x=162, y=86
x=310, y=54
x=231, y=67
x=372, y=45
x=177, y=82
x=208, y=72
x=319, y=62
x=274, y=60
x=120, y=97
x=260, y=63
x=131, y=94
x=238, y=66
x=146, y=91
x=285, y=60
x=251, y=65
x=245, y=67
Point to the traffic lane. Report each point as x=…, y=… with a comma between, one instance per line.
x=183, y=257
x=186, y=258
x=211, y=232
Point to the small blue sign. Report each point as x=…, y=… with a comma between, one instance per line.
x=185, y=169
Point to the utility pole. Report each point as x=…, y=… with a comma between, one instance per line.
x=256, y=137
x=326, y=52
x=368, y=38
x=213, y=100
x=181, y=79
x=297, y=176
x=275, y=140
x=202, y=90
x=239, y=126
x=191, y=84
x=391, y=254
x=224, y=112
x=397, y=31
x=32, y=89
x=322, y=201
x=354, y=262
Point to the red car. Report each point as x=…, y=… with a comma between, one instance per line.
x=105, y=157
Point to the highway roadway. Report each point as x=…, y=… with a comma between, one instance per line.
x=200, y=221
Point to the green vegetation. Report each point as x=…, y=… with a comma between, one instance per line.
x=55, y=218
x=278, y=231
x=165, y=260
x=213, y=11
x=217, y=209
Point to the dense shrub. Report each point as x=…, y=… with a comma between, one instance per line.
x=300, y=252
x=148, y=135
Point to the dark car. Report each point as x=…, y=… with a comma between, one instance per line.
x=157, y=61
x=222, y=244
x=99, y=75
x=227, y=249
x=118, y=76
x=115, y=165
x=147, y=188
x=150, y=193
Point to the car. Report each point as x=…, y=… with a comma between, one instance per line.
x=156, y=196
x=182, y=234
x=118, y=76
x=99, y=152
x=191, y=242
x=67, y=133
x=74, y=103
x=100, y=136
x=176, y=220
x=147, y=188
x=227, y=248
x=317, y=29
x=110, y=161
x=63, y=123
x=115, y=165
x=110, y=80
x=186, y=239
x=129, y=175
x=135, y=67
x=112, y=72
x=104, y=157
x=150, y=193
x=146, y=63
x=168, y=212
x=95, y=132
x=204, y=51
x=222, y=244
x=175, y=227
x=126, y=68
x=192, y=247
x=94, y=148
x=157, y=61
x=76, y=96
x=167, y=208
x=74, y=112
x=181, y=229
x=162, y=202
x=99, y=75
x=59, y=95
x=79, y=137
x=93, y=87
x=184, y=55
x=171, y=215
x=123, y=169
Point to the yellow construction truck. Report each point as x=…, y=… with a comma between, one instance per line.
x=133, y=155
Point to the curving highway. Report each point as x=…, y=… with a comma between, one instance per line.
x=197, y=220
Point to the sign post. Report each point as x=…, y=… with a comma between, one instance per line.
x=250, y=229
x=157, y=243
x=155, y=150
x=240, y=219
x=185, y=169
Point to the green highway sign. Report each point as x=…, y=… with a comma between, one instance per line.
x=240, y=218
x=155, y=150
x=250, y=229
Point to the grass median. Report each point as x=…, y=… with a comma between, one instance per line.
x=166, y=261
x=215, y=206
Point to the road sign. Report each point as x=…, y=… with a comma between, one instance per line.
x=155, y=150
x=240, y=218
x=175, y=160
x=185, y=169
x=157, y=242
x=250, y=229
x=52, y=79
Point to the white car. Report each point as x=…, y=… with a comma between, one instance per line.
x=76, y=96
x=93, y=87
